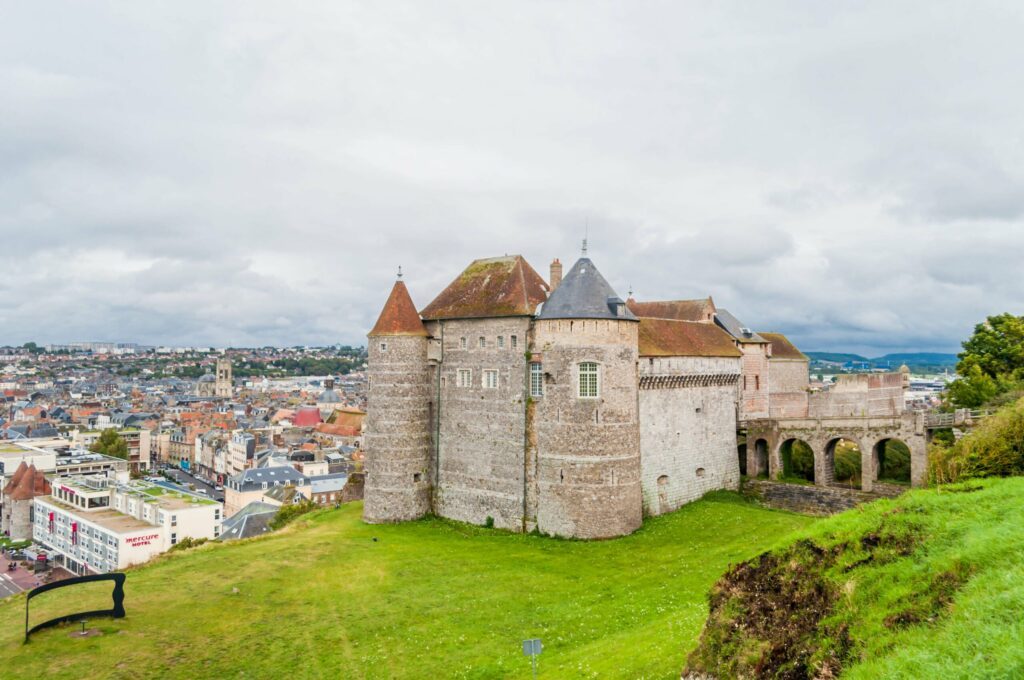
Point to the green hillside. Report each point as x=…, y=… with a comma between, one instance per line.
x=430, y=599
x=834, y=357
x=929, y=585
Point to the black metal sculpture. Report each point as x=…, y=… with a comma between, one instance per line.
x=117, y=612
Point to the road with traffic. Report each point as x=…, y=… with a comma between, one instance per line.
x=184, y=479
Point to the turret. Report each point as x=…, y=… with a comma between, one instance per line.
x=587, y=420
x=397, y=439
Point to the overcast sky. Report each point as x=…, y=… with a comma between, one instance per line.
x=253, y=173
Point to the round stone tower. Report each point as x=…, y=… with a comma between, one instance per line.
x=397, y=437
x=587, y=420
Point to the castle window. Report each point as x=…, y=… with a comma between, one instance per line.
x=501, y=342
x=383, y=347
x=482, y=342
x=514, y=341
x=588, y=387
x=491, y=379
x=757, y=382
x=465, y=377
x=462, y=343
x=536, y=379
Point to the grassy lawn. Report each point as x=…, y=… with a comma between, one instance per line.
x=429, y=599
x=927, y=585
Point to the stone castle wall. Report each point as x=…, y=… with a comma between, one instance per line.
x=753, y=385
x=588, y=450
x=480, y=437
x=397, y=440
x=788, y=384
x=687, y=429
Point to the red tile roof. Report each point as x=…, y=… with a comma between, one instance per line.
x=307, y=417
x=399, y=316
x=32, y=483
x=498, y=286
x=338, y=430
x=679, y=310
x=667, y=338
x=782, y=348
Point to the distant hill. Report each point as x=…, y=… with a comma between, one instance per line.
x=834, y=357
x=912, y=359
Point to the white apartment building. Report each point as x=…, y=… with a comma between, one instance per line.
x=96, y=525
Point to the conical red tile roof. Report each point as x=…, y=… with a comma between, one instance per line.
x=12, y=483
x=33, y=483
x=399, y=316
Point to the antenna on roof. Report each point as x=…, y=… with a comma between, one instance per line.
x=586, y=233
x=399, y=271
x=630, y=293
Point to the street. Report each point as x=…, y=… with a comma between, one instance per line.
x=184, y=479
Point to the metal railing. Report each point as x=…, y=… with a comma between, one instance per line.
x=958, y=418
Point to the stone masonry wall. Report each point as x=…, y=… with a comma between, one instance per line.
x=687, y=431
x=753, y=385
x=588, y=450
x=788, y=383
x=481, y=435
x=397, y=436
x=809, y=500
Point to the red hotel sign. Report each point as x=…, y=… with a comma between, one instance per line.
x=135, y=541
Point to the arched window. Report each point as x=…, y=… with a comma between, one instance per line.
x=588, y=380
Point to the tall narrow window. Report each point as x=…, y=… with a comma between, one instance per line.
x=514, y=341
x=491, y=379
x=482, y=342
x=588, y=380
x=501, y=342
x=536, y=379
x=757, y=382
x=462, y=343
x=465, y=377
x=383, y=347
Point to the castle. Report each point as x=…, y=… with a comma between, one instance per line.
x=557, y=405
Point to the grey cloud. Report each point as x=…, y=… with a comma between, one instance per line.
x=195, y=173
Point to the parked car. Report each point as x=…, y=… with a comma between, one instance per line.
x=218, y=488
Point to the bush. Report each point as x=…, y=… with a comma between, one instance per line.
x=187, y=543
x=289, y=513
x=994, y=449
x=895, y=462
x=797, y=460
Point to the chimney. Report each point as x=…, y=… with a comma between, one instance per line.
x=556, y=274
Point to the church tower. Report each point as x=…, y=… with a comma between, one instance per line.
x=223, y=385
x=587, y=416
x=397, y=439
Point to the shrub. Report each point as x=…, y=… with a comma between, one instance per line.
x=187, y=543
x=289, y=513
x=797, y=460
x=489, y=522
x=994, y=449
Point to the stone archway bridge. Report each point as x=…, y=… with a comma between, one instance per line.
x=765, y=439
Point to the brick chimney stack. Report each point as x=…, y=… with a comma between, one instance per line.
x=556, y=274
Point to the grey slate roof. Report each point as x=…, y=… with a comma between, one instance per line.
x=252, y=520
x=734, y=327
x=254, y=478
x=585, y=294
x=328, y=483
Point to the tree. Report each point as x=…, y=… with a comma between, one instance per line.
x=111, y=444
x=996, y=348
x=991, y=363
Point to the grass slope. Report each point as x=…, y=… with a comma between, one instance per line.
x=428, y=599
x=929, y=585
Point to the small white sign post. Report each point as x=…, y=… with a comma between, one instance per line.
x=532, y=648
